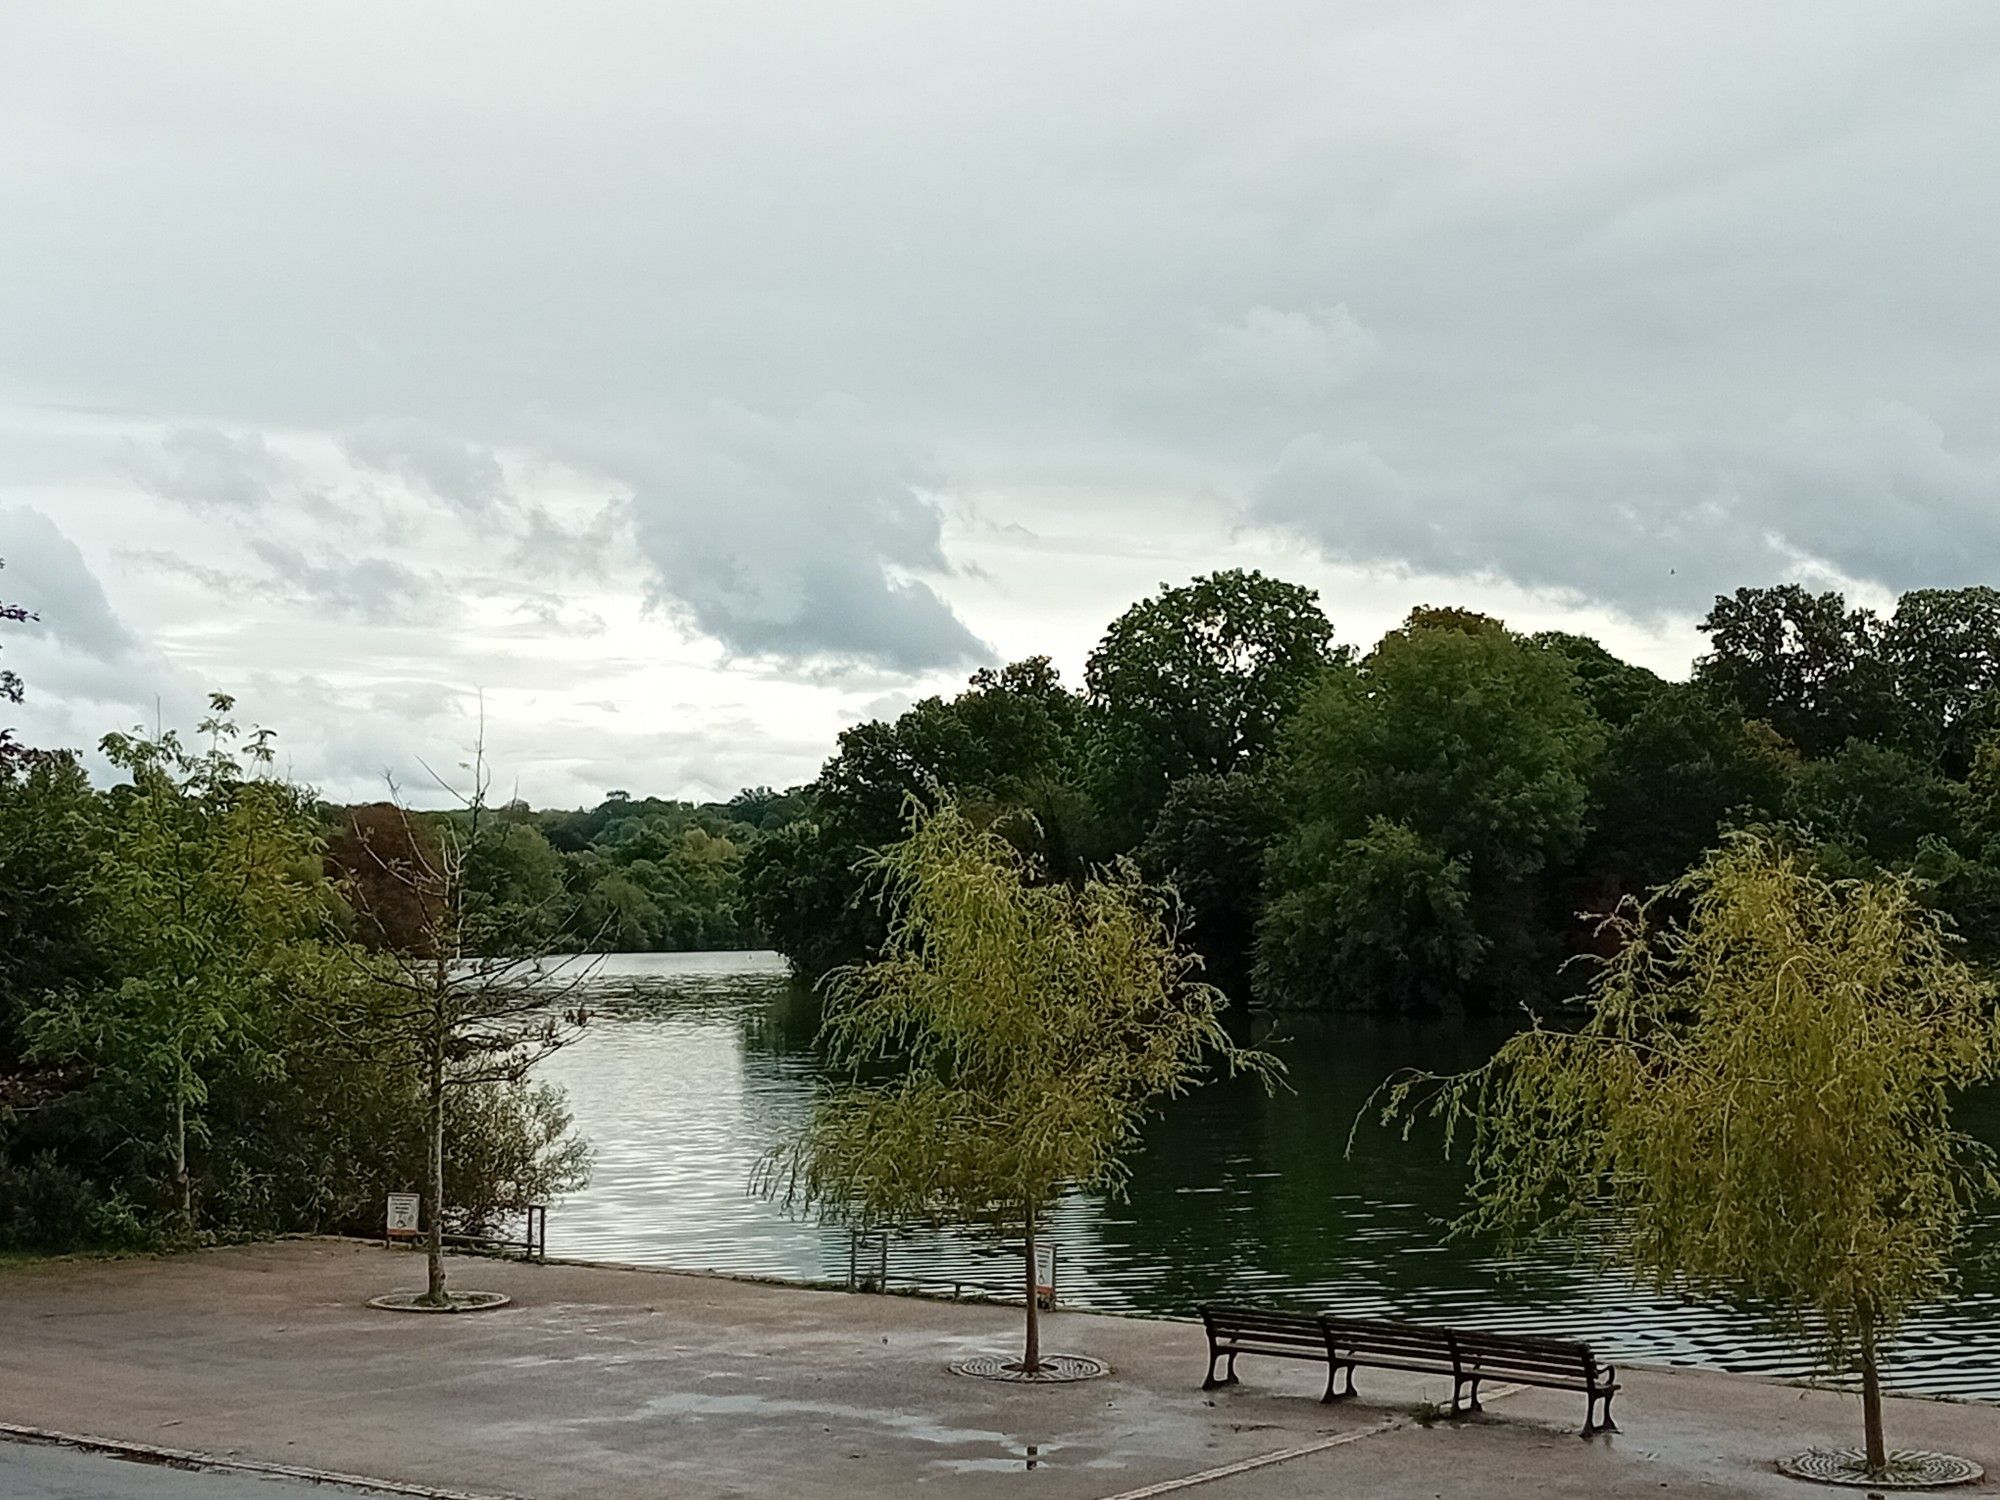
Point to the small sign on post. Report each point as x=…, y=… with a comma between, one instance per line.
x=402, y=1220
x=1045, y=1275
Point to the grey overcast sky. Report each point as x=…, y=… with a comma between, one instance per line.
x=695, y=379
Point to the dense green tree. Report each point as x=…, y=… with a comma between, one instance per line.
x=198, y=872
x=1941, y=652
x=1208, y=844
x=1616, y=691
x=1874, y=804
x=1198, y=681
x=1804, y=663
x=1007, y=748
x=1678, y=771
x=1448, y=769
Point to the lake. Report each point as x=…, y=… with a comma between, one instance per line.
x=694, y=1063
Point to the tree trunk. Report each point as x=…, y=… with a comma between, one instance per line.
x=1031, y=1353
x=181, y=1178
x=1871, y=1400
x=434, y=1247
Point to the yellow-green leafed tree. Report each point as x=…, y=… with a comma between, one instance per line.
x=1758, y=1108
x=1007, y=1043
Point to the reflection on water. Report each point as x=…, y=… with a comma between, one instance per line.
x=694, y=1063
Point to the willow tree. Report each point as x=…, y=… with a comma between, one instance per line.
x=1757, y=1109
x=1007, y=1044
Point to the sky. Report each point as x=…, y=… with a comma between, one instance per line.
x=669, y=386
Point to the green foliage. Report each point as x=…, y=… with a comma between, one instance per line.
x=185, y=1046
x=1941, y=652
x=1028, y=1028
x=1757, y=1107
x=1008, y=745
x=1198, y=681
x=1427, y=786
x=1208, y=844
x=1803, y=663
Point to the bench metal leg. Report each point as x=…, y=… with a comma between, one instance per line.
x=1591, y=1425
x=1228, y=1356
x=1470, y=1386
x=1335, y=1391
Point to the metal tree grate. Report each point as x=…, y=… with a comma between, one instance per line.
x=1909, y=1469
x=1055, y=1369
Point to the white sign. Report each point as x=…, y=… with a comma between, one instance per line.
x=1045, y=1274
x=402, y=1214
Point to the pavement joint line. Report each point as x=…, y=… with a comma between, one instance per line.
x=187, y=1458
x=1282, y=1455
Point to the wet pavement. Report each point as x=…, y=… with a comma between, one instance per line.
x=33, y=1471
x=601, y=1382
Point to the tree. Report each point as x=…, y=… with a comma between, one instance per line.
x=203, y=878
x=1757, y=1108
x=1198, y=680
x=1941, y=650
x=463, y=994
x=1678, y=771
x=1008, y=744
x=1209, y=843
x=1803, y=663
x=1036, y=1025
x=1427, y=786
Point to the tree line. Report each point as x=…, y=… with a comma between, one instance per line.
x=1444, y=817
x=203, y=1032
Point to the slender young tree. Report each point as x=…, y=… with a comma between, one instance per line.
x=1758, y=1108
x=1035, y=1027
x=468, y=998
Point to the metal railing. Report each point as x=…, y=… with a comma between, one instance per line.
x=868, y=1271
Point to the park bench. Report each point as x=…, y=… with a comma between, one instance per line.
x=1468, y=1357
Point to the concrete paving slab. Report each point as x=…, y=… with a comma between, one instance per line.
x=606, y=1382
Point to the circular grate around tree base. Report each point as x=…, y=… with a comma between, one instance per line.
x=456, y=1302
x=1055, y=1369
x=1909, y=1469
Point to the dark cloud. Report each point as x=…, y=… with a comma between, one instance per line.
x=801, y=538
x=47, y=574
x=463, y=475
x=370, y=590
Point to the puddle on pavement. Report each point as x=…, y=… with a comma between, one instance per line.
x=1018, y=1457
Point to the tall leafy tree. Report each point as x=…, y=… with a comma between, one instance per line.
x=1209, y=844
x=1007, y=745
x=1427, y=787
x=1198, y=681
x=1941, y=651
x=1031, y=1027
x=1758, y=1107
x=1804, y=663
x=205, y=883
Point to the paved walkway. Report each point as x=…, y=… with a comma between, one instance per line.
x=32, y=1471
x=601, y=1382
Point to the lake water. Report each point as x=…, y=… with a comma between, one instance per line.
x=694, y=1063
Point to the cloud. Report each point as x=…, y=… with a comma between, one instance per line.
x=207, y=468
x=47, y=574
x=1300, y=354
x=463, y=475
x=801, y=539
x=370, y=590
x=1658, y=523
